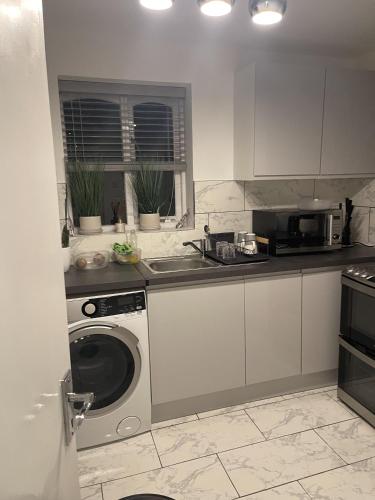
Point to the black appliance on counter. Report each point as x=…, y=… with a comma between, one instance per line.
x=299, y=231
x=356, y=385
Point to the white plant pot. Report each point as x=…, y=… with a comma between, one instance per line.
x=67, y=257
x=149, y=222
x=90, y=225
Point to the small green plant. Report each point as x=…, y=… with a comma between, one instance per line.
x=147, y=184
x=86, y=185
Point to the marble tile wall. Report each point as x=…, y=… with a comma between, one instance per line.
x=228, y=205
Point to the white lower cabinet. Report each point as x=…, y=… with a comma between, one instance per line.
x=197, y=340
x=320, y=321
x=273, y=328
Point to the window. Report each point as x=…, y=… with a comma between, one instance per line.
x=124, y=126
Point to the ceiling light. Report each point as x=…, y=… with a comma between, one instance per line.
x=157, y=4
x=216, y=8
x=267, y=12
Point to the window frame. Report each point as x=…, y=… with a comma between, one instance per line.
x=183, y=177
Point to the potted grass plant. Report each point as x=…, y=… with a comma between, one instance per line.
x=147, y=183
x=86, y=185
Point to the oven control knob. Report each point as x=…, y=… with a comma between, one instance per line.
x=350, y=270
x=364, y=275
x=89, y=308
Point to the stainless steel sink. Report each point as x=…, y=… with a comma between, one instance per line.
x=174, y=264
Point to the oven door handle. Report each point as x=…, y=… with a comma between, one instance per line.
x=359, y=287
x=358, y=354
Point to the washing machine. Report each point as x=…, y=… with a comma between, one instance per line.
x=109, y=354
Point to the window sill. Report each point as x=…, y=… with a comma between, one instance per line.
x=110, y=230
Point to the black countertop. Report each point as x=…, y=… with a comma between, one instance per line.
x=276, y=265
x=116, y=277
x=113, y=278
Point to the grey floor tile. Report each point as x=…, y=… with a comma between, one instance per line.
x=201, y=479
x=353, y=482
x=120, y=459
x=297, y=415
x=205, y=437
x=273, y=463
x=353, y=440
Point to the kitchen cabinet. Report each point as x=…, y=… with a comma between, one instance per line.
x=321, y=301
x=288, y=119
x=273, y=328
x=197, y=340
x=349, y=123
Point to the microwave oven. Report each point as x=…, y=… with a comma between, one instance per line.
x=299, y=231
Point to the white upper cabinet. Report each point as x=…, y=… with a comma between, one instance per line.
x=349, y=123
x=288, y=119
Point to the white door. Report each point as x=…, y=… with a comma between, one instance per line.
x=35, y=463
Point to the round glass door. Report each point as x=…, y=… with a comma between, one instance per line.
x=104, y=361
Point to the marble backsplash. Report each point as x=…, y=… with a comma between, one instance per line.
x=228, y=205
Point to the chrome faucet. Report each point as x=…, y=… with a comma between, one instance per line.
x=202, y=245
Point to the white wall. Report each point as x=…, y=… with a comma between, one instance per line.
x=79, y=45
x=210, y=75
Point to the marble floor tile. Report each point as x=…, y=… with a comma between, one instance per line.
x=205, y=437
x=201, y=479
x=228, y=409
x=92, y=493
x=352, y=482
x=311, y=391
x=273, y=463
x=261, y=402
x=174, y=421
x=298, y=414
x=291, y=491
x=121, y=459
x=353, y=440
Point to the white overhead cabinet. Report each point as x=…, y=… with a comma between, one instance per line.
x=273, y=328
x=294, y=121
x=321, y=294
x=288, y=119
x=349, y=123
x=197, y=340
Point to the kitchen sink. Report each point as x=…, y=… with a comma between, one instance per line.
x=174, y=264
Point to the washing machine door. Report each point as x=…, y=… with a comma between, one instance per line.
x=105, y=360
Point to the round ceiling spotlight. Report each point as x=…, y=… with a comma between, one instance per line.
x=267, y=12
x=216, y=8
x=157, y=4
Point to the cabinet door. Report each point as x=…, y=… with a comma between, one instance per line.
x=321, y=302
x=288, y=119
x=273, y=328
x=197, y=340
x=349, y=123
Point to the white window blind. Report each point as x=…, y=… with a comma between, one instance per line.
x=124, y=125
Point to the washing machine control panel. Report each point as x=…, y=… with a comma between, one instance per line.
x=100, y=307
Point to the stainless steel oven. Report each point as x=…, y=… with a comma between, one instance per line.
x=356, y=385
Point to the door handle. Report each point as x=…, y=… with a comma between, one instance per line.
x=86, y=399
x=73, y=416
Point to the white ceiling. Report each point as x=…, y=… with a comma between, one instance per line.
x=324, y=27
